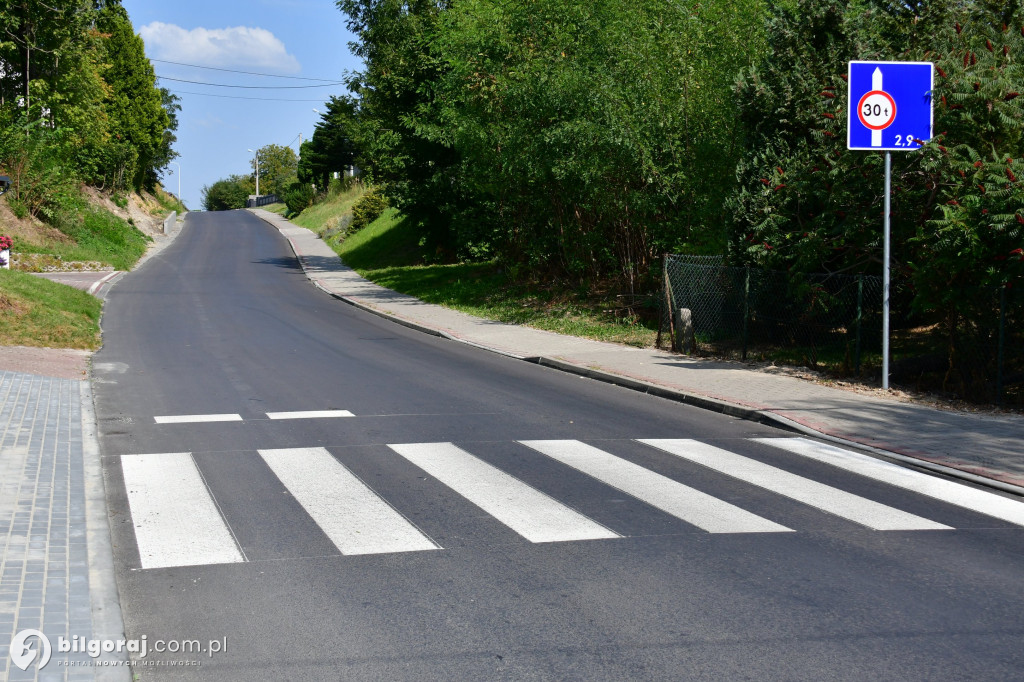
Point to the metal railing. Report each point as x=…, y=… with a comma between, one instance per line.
x=262, y=200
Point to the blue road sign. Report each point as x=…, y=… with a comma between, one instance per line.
x=890, y=105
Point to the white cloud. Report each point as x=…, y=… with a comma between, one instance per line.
x=238, y=46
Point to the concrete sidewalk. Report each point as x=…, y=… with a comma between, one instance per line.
x=986, y=449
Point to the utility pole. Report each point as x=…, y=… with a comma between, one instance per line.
x=257, y=172
x=179, y=179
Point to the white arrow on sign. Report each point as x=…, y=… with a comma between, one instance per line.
x=876, y=84
x=876, y=109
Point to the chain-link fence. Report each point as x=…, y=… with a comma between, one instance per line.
x=833, y=322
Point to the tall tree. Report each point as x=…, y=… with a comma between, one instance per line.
x=398, y=92
x=134, y=103
x=277, y=168
x=332, y=149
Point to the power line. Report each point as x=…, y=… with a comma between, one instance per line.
x=252, y=87
x=262, y=99
x=250, y=73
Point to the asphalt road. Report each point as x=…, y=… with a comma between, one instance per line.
x=507, y=561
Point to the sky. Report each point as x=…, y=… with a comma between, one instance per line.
x=300, y=39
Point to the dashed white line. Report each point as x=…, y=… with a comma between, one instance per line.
x=312, y=414
x=197, y=418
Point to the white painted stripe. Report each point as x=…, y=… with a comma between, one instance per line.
x=354, y=517
x=100, y=282
x=951, y=492
x=177, y=523
x=832, y=500
x=196, y=418
x=690, y=505
x=521, y=507
x=314, y=414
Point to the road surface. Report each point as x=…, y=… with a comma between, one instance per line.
x=328, y=495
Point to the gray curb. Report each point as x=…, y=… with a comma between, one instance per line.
x=675, y=395
x=107, y=623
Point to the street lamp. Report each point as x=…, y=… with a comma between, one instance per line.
x=179, y=179
x=257, y=172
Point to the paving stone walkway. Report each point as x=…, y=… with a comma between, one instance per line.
x=46, y=570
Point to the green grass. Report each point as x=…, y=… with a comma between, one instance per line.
x=97, y=235
x=168, y=202
x=104, y=237
x=37, y=312
x=387, y=252
x=278, y=208
x=325, y=215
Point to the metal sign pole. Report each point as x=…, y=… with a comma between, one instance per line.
x=885, y=276
x=889, y=109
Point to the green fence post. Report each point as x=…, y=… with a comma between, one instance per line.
x=1002, y=345
x=860, y=314
x=746, y=310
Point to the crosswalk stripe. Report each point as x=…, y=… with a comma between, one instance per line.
x=832, y=500
x=177, y=523
x=197, y=418
x=524, y=509
x=951, y=492
x=311, y=414
x=355, y=518
x=683, y=502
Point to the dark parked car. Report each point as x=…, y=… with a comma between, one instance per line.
x=5, y=183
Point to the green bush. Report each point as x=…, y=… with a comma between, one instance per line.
x=299, y=196
x=368, y=208
x=227, y=194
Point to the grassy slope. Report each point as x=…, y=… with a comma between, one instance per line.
x=92, y=234
x=38, y=312
x=387, y=252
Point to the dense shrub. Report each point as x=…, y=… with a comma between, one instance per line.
x=299, y=196
x=227, y=194
x=368, y=208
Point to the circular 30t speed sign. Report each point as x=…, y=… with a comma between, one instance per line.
x=876, y=110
